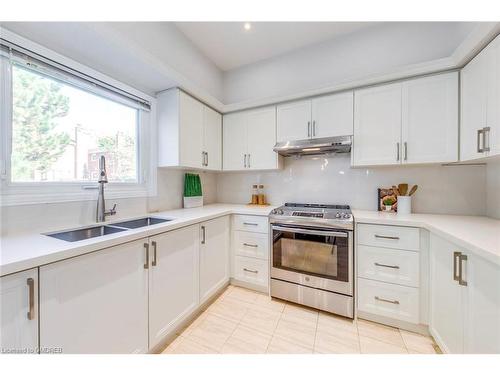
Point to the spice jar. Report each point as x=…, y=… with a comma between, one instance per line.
x=255, y=194
x=262, y=196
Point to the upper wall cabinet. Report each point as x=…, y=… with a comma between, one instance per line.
x=480, y=107
x=189, y=132
x=249, y=138
x=410, y=122
x=325, y=116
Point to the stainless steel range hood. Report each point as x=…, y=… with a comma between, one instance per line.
x=330, y=145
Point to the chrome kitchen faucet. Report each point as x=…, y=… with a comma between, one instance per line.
x=103, y=179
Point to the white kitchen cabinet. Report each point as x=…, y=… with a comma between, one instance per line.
x=294, y=121
x=430, y=119
x=465, y=300
x=19, y=312
x=249, y=138
x=447, y=297
x=214, y=256
x=377, y=126
x=480, y=125
x=97, y=302
x=189, y=132
x=324, y=116
x=173, y=280
x=332, y=115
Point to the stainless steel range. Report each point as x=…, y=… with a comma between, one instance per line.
x=312, y=256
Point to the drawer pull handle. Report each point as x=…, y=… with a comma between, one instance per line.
x=250, y=245
x=395, y=302
x=386, y=237
x=386, y=265
x=255, y=224
x=31, y=298
x=252, y=271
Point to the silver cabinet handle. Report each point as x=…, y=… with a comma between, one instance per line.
x=249, y=245
x=486, y=145
x=397, y=151
x=203, y=158
x=206, y=155
x=249, y=160
x=386, y=237
x=395, y=302
x=308, y=129
x=456, y=260
x=314, y=128
x=31, y=298
x=406, y=150
x=203, y=234
x=146, y=262
x=252, y=271
x=386, y=265
x=245, y=160
x=462, y=258
x=254, y=224
x=154, y=262
x=479, y=133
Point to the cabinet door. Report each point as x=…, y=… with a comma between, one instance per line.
x=261, y=133
x=212, y=135
x=235, y=141
x=447, y=305
x=96, y=303
x=474, y=92
x=174, y=280
x=294, y=121
x=191, y=131
x=377, y=125
x=333, y=115
x=482, y=323
x=430, y=119
x=214, y=256
x=19, y=312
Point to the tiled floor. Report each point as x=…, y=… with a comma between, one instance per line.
x=242, y=321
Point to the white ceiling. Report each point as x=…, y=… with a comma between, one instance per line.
x=229, y=45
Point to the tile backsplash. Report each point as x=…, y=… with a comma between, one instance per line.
x=442, y=189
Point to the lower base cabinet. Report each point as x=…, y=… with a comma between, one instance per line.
x=465, y=300
x=96, y=303
x=19, y=312
x=214, y=256
x=173, y=280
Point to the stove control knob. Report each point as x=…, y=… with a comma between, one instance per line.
x=345, y=215
x=277, y=211
x=337, y=215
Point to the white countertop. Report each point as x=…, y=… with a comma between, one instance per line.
x=22, y=251
x=478, y=234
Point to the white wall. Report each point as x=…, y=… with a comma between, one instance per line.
x=493, y=189
x=55, y=216
x=373, y=51
x=451, y=190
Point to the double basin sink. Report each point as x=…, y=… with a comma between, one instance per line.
x=102, y=230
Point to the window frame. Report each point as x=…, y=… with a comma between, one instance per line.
x=22, y=193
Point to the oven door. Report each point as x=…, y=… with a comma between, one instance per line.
x=315, y=257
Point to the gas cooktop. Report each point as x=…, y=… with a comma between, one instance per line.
x=313, y=215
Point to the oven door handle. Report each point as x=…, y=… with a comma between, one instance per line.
x=309, y=231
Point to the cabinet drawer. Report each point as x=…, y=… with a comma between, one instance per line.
x=393, y=237
x=390, y=265
x=251, y=244
x=250, y=223
x=389, y=300
x=251, y=270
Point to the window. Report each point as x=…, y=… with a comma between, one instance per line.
x=56, y=123
x=59, y=132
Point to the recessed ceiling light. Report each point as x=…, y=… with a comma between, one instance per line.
x=247, y=26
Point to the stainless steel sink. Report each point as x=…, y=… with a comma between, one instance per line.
x=85, y=233
x=139, y=223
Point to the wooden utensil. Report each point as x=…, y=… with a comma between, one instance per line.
x=413, y=190
x=395, y=190
x=403, y=189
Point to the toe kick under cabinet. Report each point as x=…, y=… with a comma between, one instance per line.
x=250, y=251
x=388, y=273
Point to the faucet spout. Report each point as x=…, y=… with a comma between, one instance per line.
x=101, y=212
